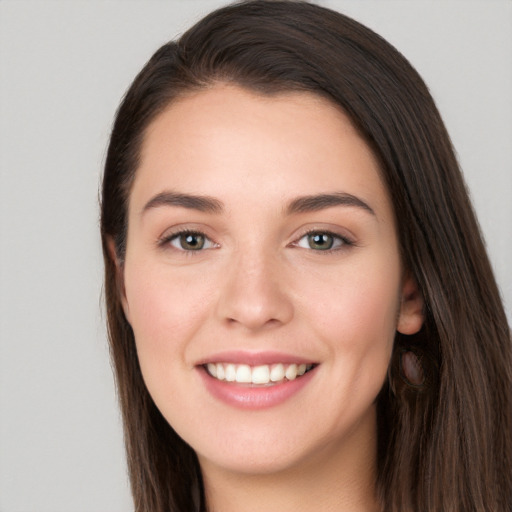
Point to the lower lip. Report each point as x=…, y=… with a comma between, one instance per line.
x=247, y=397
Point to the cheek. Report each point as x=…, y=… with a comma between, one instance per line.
x=165, y=309
x=355, y=309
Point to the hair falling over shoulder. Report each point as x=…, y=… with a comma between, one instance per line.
x=445, y=442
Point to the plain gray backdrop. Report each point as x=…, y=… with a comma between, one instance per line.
x=64, y=66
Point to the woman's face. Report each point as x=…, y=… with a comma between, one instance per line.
x=262, y=279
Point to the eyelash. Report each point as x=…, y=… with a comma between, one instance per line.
x=342, y=242
x=167, y=240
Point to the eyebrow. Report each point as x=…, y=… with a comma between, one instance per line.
x=202, y=203
x=319, y=202
x=303, y=204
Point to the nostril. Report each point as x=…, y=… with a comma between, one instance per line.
x=253, y=323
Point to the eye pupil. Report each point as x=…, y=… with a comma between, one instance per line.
x=192, y=241
x=321, y=241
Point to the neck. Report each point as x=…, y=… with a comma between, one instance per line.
x=341, y=476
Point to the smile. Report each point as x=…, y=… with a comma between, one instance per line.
x=261, y=375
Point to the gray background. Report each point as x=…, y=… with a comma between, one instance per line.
x=64, y=65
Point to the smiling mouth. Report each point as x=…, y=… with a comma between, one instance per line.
x=261, y=375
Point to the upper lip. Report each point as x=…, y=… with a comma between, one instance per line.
x=254, y=358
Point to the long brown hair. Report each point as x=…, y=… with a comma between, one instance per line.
x=443, y=446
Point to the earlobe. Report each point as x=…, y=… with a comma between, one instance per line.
x=119, y=276
x=411, y=315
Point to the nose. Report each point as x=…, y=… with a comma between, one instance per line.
x=253, y=294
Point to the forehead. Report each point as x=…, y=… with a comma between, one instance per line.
x=226, y=141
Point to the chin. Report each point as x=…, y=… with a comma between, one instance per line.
x=257, y=462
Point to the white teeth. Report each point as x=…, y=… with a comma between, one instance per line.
x=220, y=372
x=243, y=374
x=212, y=369
x=257, y=375
x=277, y=373
x=230, y=372
x=260, y=375
x=291, y=372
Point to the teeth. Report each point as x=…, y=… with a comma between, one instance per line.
x=243, y=374
x=230, y=372
x=277, y=373
x=291, y=372
x=220, y=372
x=212, y=369
x=258, y=375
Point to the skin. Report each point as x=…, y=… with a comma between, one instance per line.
x=259, y=285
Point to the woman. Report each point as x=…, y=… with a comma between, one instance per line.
x=301, y=311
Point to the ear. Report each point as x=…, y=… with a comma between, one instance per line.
x=411, y=315
x=119, y=276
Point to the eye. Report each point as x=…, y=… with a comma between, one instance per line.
x=189, y=241
x=322, y=241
